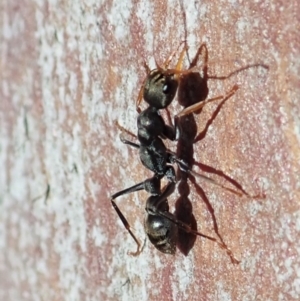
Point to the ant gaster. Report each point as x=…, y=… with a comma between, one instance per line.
x=159, y=90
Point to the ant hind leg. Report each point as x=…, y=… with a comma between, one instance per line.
x=152, y=186
x=127, y=226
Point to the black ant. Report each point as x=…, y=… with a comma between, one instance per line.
x=159, y=90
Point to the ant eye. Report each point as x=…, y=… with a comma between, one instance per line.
x=166, y=88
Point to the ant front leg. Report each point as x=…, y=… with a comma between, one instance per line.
x=200, y=105
x=123, y=130
x=169, y=59
x=128, y=142
x=152, y=186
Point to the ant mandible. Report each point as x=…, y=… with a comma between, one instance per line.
x=159, y=90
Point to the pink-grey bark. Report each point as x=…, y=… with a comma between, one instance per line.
x=69, y=70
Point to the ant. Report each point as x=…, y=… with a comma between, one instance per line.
x=159, y=90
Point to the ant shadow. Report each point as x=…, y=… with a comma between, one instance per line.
x=192, y=89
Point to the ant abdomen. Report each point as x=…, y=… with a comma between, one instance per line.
x=159, y=222
x=162, y=232
x=160, y=89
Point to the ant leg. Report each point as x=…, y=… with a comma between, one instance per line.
x=222, y=245
x=178, y=69
x=258, y=65
x=152, y=186
x=169, y=132
x=141, y=92
x=170, y=174
x=183, y=166
x=169, y=59
x=147, y=68
x=154, y=203
x=128, y=142
x=173, y=132
x=134, y=188
x=172, y=158
x=123, y=130
x=180, y=60
x=127, y=226
x=200, y=105
x=184, y=226
x=140, y=98
x=212, y=181
x=123, y=139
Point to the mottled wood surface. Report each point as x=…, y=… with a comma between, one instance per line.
x=69, y=70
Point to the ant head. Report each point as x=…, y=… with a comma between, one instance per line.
x=160, y=88
x=162, y=232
